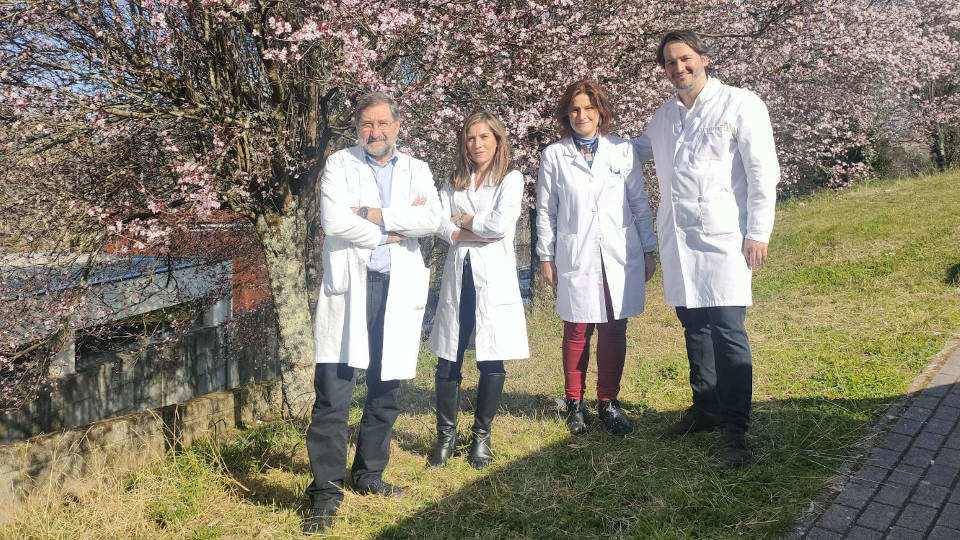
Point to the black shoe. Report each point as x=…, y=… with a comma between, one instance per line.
x=733, y=445
x=613, y=418
x=489, y=390
x=448, y=404
x=576, y=422
x=693, y=420
x=321, y=516
x=378, y=487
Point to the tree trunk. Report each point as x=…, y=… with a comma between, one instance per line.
x=283, y=238
x=938, y=146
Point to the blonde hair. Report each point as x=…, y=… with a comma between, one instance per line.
x=500, y=164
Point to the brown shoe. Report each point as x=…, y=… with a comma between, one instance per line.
x=733, y=445
x=693, y=420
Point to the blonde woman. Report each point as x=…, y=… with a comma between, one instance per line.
x=479, y=288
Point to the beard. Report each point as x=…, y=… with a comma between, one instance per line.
x=691, y=80
x=387, y=148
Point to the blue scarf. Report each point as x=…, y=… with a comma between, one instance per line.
x=588, y=147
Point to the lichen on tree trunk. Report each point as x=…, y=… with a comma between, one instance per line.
x=283, y=238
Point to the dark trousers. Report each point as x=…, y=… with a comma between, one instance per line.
x=450, y=371
x=334, y=385
x=721, y=370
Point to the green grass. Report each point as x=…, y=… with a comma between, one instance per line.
x=860, y=291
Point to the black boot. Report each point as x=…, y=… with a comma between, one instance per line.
x=489, y=390
x=448, y=404
x=576, y=421
x=613, y=418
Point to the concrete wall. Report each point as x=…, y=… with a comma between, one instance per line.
x=207, y=359
x=132, y=406
x=65, y=462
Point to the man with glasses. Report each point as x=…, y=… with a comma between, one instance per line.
x=375, y=203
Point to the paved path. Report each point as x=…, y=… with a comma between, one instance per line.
x=909, y=484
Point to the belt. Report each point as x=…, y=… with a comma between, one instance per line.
x=373, y=277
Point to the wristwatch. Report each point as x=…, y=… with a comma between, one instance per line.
x=460, y=222
x=362, y=212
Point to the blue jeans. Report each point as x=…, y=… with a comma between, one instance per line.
x=721, y=368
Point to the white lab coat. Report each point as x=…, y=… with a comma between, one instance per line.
x=718, y=173
x=340, y=330
x=501, y=329
x=586, y=213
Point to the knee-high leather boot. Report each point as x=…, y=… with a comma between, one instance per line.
x=489, y=390
x=448, y=404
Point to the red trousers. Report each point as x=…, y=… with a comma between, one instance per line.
x=611, y=353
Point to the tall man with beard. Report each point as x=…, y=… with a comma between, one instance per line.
x=717, y=169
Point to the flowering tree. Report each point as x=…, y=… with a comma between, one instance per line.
x=132, y=118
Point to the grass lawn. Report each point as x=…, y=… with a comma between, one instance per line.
x=860, y=291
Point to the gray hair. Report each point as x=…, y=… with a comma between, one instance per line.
x=371, y=99
x=687, y=36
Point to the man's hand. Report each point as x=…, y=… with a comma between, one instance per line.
x=393, y=238
x=754, y=252
x=649, y=265
x=548, y=269
x=467, y=221
x=463, y=235
x=419, y=201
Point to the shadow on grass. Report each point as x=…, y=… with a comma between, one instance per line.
x=417, y=397
x=524, y=406
x=647, y=485
x=597, y=485
x=952, y=277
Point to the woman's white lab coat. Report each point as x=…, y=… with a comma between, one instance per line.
x=586, y=215
x=501, y=329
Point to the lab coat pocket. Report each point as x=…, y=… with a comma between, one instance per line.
x=336, y=270
x=714, y=143
x=615, y=176
x=503, y=287
x=721, y=215
x=633, y=244
x=567, y=258
x=687, y=213
x=419, y=286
